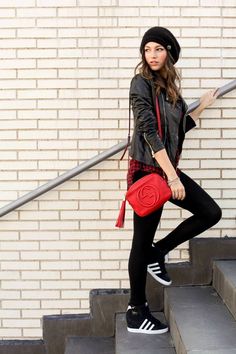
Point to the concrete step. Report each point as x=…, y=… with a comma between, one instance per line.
x=104, y=303
x=90, y=345
x=199, y=321
x=224, y=281
x=133, y=343
x=22, y=347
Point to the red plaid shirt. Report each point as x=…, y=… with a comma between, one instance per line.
x=135, y=166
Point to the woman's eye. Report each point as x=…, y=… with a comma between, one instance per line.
x=157, y=49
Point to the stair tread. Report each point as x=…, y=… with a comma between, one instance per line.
x=90, y=345
x=200, y=320
x=134, y=343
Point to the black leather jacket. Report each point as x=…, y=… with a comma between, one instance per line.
x=145, y=140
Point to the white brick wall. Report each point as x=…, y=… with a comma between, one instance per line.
x=65, y=68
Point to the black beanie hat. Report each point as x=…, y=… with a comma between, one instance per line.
x=164, y=37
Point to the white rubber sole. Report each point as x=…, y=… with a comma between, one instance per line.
x=146, y=331
x=155, y=276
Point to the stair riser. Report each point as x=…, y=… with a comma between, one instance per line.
x=56, y=331
x=22, y=347
x=90, y=345
x=179, y=346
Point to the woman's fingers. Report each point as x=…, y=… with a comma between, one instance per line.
x=215, y=92
x=209, y=97
x=178, y=191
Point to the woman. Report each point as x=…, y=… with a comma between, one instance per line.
x=158, y=77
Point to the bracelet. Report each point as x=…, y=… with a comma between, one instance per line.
x=170, y=182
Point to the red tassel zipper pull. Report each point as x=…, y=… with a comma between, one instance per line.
x=121, y=217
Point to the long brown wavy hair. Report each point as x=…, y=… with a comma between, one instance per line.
x=167, y=78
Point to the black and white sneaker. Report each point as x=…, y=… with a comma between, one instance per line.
x=158, y=271
x=140, y=320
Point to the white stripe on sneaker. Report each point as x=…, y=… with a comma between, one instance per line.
x=143, y=324
x=153, y=265
x=151, y=327
x=155, y=269
x=156, y=273
x=147, y=327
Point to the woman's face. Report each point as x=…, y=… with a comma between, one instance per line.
x=155, y=55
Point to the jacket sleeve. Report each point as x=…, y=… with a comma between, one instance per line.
x=143, y=110
x=189, y=122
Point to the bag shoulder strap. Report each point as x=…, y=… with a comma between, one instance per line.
x=158, y=118
x=129, y=129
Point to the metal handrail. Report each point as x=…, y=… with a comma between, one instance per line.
x=90, y=163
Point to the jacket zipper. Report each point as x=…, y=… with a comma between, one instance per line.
x=145, y=138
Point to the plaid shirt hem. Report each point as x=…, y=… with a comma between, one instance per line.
x=135, y=166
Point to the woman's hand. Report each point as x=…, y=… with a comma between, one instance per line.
x=206, y=100
x=177, y=189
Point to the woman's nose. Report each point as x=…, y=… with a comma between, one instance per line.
x=153, y=53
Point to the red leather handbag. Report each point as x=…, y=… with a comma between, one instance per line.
x=147, y=194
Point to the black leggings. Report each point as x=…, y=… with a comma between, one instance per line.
x=206, y=213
